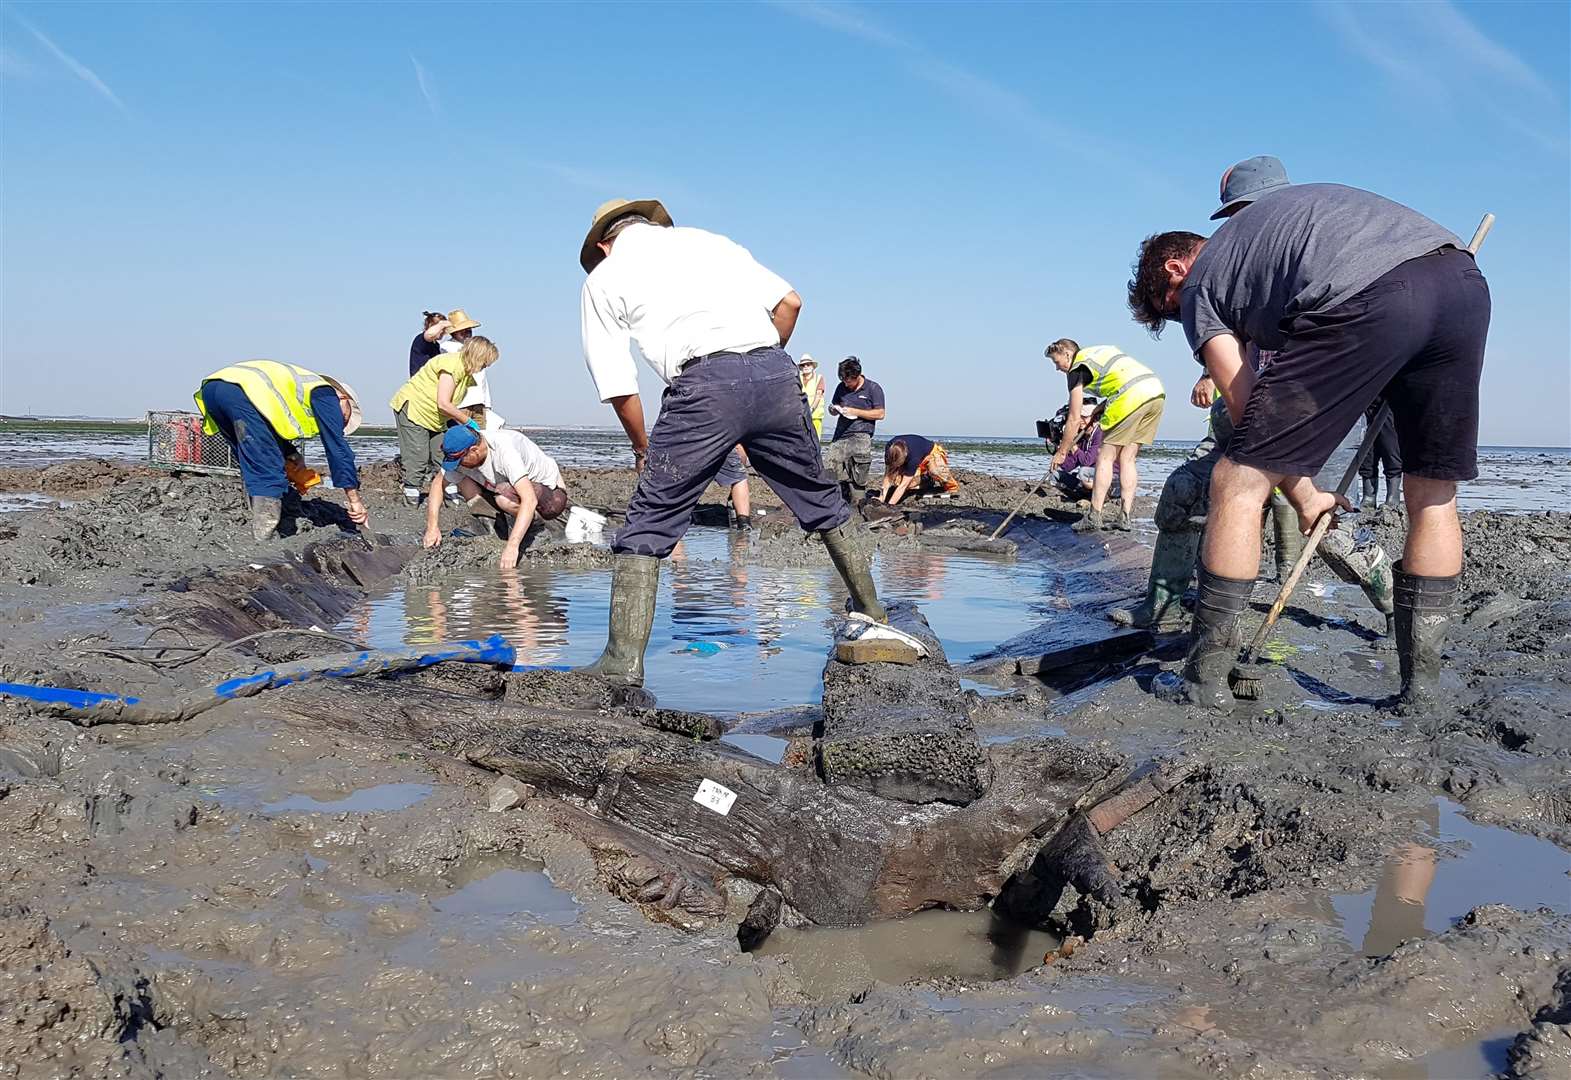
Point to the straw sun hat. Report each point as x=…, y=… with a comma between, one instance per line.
x=458, y=319
x=591, y=256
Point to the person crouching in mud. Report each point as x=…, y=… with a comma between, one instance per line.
x=713, y=324
x=422, y=409
x=1181, y=513
x=1082, y=455
x=1359, y=297
x=912, y=462
x=260, y=407
x=506, y=469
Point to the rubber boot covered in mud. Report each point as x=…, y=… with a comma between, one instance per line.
x=265, y=514
x=1394, y=491
x=1213, y=642
x=1363, y=564
x=634, y=581
x=855, y=571
x=1172, y=568
x=1424, y=608
x=1371, y=496
x=1118, y=519
x=1284, y=530
x=1092, y=522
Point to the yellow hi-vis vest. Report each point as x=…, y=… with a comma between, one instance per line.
x=1125, y=382
x=281, y=393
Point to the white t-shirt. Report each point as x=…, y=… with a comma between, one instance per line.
x=513, y=458
x=673, y=294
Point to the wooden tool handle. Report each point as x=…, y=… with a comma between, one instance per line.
x=1005, y=524
x=1482, y=231
x=1318, y=532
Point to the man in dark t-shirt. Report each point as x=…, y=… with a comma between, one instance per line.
x=1359, y=297
x=857, y=405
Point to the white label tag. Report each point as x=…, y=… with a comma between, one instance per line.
x=715, y=796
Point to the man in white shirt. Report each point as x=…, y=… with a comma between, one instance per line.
x=713, y=324
x=512, y=472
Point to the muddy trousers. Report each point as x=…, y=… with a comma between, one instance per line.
x=257, y=447
x=717, y=401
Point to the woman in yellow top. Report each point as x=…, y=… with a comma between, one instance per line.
x=423, y=408
x=813, y=390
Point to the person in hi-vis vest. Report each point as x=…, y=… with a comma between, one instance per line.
x=1132, y=401
x=261, y=407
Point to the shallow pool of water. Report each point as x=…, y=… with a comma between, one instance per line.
x=728, y=636
x=834, y=963
x=1427, y=886
x=377, y=799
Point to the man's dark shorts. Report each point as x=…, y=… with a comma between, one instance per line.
x=732, y=472
x=1416, y=335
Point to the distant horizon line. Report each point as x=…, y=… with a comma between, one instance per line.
x=6, y=417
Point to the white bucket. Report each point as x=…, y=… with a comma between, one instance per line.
x=584, y=526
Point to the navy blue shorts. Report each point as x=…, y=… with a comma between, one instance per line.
x=732, y=472
x=717, y=402
x=1415, y=336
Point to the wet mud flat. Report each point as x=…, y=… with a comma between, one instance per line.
x=415, y=877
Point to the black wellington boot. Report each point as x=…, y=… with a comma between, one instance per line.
x=1424, y=608
x=1213, y=641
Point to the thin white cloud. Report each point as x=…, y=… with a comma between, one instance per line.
x=1004, y=106
x=1430, y=48
x=426, y=90
x=1465, y=41
x=1434, y=53
x=73, y=65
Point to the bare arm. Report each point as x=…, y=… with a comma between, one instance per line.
x=901, y=489
x=629, y=409
x=785, y=314
x=522, y=519
x=445, y=385
x=435, y=331
x=1224, y=360
x=1071, y=425
x=863, y=414
x=433, y=511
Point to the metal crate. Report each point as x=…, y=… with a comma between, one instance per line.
x=175, y=441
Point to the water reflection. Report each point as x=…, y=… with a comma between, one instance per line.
x=728, y=635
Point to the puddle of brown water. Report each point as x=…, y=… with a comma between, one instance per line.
x=1425, y=888
x=501, y=892
x=835, y=963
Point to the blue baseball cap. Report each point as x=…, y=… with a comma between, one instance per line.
x=1247, y=181
x=456, y=443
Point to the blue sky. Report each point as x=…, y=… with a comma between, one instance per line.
x=949, y=187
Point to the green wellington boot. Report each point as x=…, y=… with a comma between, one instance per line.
x=855, y=571
x=1424, y=608
x=1371, y=497
x=634, y=580
x=1289, y=541
x=1172, y=568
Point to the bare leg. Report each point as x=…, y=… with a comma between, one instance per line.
x=1232, y=541
x=1104, y=476
x=741, y=498
x=1128, y=476
x=1434, y=534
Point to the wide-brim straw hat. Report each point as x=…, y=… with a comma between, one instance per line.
x=591, y=256
x=356, y=417
x=458, y=319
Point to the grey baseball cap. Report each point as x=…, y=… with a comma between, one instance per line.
x=1247, y=181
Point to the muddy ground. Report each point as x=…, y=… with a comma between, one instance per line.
x=295, y=885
